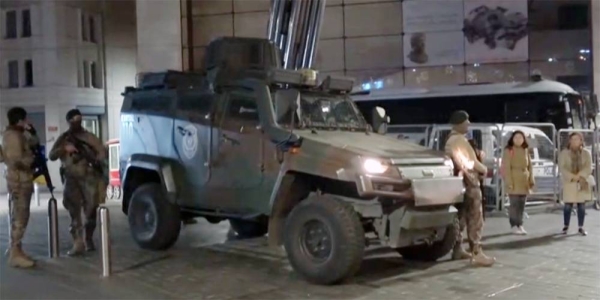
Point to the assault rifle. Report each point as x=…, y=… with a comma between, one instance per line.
x=40, y=162
x=86, y=152
x=477, y=150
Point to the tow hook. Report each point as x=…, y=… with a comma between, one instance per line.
x=430, y=240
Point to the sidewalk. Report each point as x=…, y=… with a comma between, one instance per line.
x=204, y=265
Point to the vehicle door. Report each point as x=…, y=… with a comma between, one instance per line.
x=237, y=164
x=543, y=166
x=191, y=144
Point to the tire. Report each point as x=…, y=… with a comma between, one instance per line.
x=153, y=221
x=117, y=191
x=338, y=223
x=435, y=251
x=249, y=229
x=110, y=192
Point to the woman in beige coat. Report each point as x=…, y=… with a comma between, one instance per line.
x=518, y=178
x=575, y=165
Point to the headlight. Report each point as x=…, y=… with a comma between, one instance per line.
x=448, y=163
x=374, y=166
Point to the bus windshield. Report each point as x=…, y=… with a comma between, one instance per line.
x=497, y=108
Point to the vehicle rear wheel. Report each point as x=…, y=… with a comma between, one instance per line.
x=434, y=251
x=249, y=228
x=324, y=240
x=154, y=221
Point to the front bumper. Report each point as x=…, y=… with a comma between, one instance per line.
x=424, y=191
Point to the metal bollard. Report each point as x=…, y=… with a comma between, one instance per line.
x=52, y=228
x=36, y=193
x=104, y=217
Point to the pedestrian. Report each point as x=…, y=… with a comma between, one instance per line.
x=518, y=178
x=575, y=164
x=80, y=153
x=470, y=213
x=17, y=156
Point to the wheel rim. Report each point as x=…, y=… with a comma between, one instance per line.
x=109, y=192
x=315, y=241
x=145, y=221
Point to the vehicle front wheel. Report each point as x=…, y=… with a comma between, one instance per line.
x=434, y=251
x=110, y=194
x=249, y=228
x=154, y=221
x=324, y=240
x=117, y=192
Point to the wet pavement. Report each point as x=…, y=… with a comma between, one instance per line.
x=204, y=264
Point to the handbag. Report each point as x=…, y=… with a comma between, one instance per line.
x=591, y=180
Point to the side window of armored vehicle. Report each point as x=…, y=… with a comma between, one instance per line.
x=196, y=107
x=151, y=104
x=241, y=111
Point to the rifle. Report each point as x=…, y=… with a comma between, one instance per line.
x=87, y=152
x=475, y=147
x=40, y=163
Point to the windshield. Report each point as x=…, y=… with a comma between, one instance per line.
x=318, y=110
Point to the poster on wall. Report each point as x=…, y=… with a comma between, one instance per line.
x=432, y=15
x=496, y=31
x=425, y=49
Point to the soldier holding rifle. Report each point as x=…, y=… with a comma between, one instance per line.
x=81, y=154
x=19, y=159
x=470, y=214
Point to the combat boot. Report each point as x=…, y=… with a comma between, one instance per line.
x=459, y=253
x=479, y=259
x=78, y=247
x=18, y=259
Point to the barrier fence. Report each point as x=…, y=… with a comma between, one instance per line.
x=545, y=144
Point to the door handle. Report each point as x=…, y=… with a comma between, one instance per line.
x=225, y=138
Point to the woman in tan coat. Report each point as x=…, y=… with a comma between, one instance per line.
x=575, y=165
x=518, y=178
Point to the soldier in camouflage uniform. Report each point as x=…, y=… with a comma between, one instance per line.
x=470, y=213
x=17, y=156
x=84, y=185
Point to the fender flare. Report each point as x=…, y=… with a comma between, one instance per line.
x=165, y=168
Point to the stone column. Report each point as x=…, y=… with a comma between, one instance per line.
x=158, y=35
x=596, y=44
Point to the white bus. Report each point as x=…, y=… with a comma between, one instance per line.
x=536, y=101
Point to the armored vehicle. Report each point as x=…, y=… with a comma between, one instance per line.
x=275, y=153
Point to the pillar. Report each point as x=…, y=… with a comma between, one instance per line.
x=596, y=44
x=159, y=44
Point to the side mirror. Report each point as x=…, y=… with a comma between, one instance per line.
x=380, y=120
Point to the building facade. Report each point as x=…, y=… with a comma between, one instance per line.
x=53, y=51
x=52, y=61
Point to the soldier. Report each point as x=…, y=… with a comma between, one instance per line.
x=18, y=158
x=470, y=214
x=80, y=153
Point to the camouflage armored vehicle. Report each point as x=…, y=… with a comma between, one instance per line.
x=275, y=153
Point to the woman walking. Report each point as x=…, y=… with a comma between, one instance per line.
x=575, y=165
x=518, y=178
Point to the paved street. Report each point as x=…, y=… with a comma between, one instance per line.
x=205, y=265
